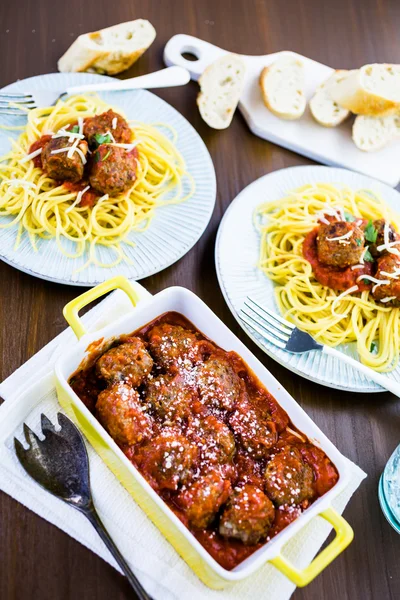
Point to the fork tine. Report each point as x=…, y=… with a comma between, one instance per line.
x=14, y=95
x=261, y=330
x=17, y=112
x=31, y=436
x=19, y=449
x=22, y=103
x=272, y=314
x=47, y=425
x=277, y=330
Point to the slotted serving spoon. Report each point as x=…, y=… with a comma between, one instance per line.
x=60, y=464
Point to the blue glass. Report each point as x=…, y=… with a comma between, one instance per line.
x=389, y=490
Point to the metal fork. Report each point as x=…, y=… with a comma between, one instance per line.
x=169, y=77
x=25, y=102
x=60, y=464
x=285, y=335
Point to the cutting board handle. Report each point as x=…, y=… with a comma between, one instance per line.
x=205, y=52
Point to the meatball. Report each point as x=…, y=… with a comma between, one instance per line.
x=288, y=479
x=168, y=458
x=325, y=473
x=248, y=515
x=268, y=408
x=379, y=226
x=254, y=433
x=214, y=439
x=112, y=170
x=249, y=469
x=173, y=346
x=107, y=122
x=203, y=498
x=169, y=396
x=219, y=386
x=343, y=252
x=59, y=166
x=388, y=266
x=121, y=414
x=128, y=362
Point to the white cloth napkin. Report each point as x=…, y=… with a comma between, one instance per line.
x=164, y=574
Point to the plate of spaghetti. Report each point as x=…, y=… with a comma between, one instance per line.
x=321, y=247
x=100, y=184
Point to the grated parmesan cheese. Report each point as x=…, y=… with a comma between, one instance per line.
x=74, y=149
x=20, y=183
x=387, y=245
x=353, y=288
x=71, y=136
x=78, y=199
x=373, y=279
x=128, y=146
x=393, y=275
x=30, y=156
x=345, y=236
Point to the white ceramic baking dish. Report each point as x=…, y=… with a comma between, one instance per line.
x=188, y=304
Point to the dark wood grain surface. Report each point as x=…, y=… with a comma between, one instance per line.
x=36, y=559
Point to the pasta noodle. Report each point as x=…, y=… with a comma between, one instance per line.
x=330, y=317
x=41, y=208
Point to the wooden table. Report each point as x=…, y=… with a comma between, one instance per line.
x=36, y=559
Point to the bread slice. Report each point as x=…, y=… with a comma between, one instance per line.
x=323, y=108
x=372, y=90
x=282, y=87
x=373, y=133
x=220, y=87
x=108, y=51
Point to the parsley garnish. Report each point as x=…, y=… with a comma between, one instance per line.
x=102, y=138
x=96, y=156
x=371, y=233
x=366, y=281
x=374, y=348
x=106, y=156
x=349, y=217
x=368, y=256
x=359, y=241
x=74, y=129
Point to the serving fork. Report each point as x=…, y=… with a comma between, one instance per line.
x=60, y=464
x=286, y=336
x=21, y=103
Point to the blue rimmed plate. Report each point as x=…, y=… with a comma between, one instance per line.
x=236, y=257
x=172, y=232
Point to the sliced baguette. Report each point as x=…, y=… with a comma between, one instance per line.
x=282, y=87
x=108, y=51
x=373, y=133
x=323, y=108
x=373, y=90
x=220, y=87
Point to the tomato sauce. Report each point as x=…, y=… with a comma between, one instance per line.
x=243, y=466
x=332, y=277
x=89, y=198
x=40, y=143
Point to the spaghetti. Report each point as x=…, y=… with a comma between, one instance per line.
x=42, y=208
x=331, y=317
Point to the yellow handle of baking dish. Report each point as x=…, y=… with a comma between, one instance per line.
x=71, y=310
x=302, y=577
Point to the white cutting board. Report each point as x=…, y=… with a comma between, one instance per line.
x=330, y=146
